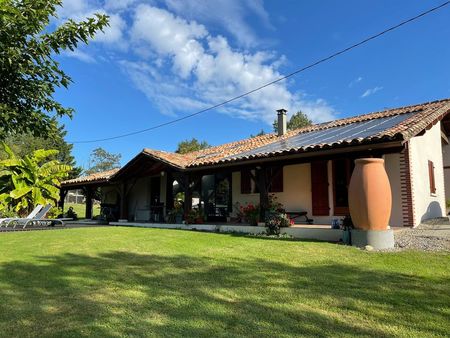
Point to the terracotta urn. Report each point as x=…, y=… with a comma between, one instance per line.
x=369, y=195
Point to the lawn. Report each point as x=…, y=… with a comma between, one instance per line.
x=119, y=281
x=80, y=209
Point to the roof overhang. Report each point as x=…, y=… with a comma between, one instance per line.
x=374, y=148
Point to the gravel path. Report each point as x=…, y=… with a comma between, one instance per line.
x=426, y=237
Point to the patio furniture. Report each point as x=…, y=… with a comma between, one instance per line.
x=5, y=221
x=38, y=219
x=296, y=214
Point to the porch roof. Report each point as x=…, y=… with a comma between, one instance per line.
x=90, y=179
x=392, y=125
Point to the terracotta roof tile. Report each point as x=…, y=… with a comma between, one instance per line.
x=97, y=178
x=419, y=118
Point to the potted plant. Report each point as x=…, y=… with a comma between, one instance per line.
x=347, y=226
x=175, y=216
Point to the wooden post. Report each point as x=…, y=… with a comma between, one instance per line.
x=187, y=193
x=88, y=202
x=169, y=191
x=123, y=201
x=62, y=196
x=263, y=193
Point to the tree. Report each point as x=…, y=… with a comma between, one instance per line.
x=188, y=146
x=26, y=144
x=29, y=75
x=101, y=160
x=261, y=133
x=298, y=120
x=31, y=180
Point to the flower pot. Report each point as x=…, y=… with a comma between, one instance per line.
x=369, y=195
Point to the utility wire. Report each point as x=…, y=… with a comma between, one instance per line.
x=342, y=51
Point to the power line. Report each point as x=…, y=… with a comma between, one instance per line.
x=342, y=51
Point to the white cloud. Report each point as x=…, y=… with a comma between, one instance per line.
x=355, y=81
x=80, y=55
x=229, y=15
x=205, y=70
x=115, y=5
x=182, y=66
x=78, y=10
x=371, y=91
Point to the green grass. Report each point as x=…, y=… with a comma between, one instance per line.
x=80, y=209
x=118, y=281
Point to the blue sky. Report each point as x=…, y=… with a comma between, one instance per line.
x=160, y=60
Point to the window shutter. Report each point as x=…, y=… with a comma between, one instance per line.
x=246, y=182
x=431, y=177
x=276, y=175
x=319, y=188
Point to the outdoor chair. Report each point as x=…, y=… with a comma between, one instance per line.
x=39, y=219
x=6, y=221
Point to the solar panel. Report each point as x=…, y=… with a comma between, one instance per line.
x=357, y=130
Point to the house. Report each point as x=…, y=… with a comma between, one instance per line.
x=307, y=169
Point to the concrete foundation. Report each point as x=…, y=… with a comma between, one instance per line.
x=378, y=239
x=322, y=234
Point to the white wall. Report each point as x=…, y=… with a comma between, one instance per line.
x=446, y=162
x=424, y=148
x=392, y=166
x=139, y=196
x=296, y=195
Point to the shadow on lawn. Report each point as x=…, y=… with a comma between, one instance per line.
x=122, y=293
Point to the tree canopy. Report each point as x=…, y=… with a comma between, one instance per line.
x=261, y=133
x=101, y=160
x=188, y=146
x=298, y=120
x=26, y=144
x=29, y=74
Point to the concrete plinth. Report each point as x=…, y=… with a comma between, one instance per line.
x=378, y=239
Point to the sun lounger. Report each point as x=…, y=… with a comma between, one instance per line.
x=39, y=219
x=6, y=221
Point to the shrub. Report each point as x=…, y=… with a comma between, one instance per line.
x=250, y=213
x=275, y=221
x=195, y=216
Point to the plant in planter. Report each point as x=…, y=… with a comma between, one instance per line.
x=175, y=216
x=239, y=218
x=277, y=220
x=195, y=216
x=347, y=226
x=250, y=213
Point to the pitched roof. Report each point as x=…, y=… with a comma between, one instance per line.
x=399, y=124
x=103, y=176
x=388, y=125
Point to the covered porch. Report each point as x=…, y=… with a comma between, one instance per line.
x=311, y=188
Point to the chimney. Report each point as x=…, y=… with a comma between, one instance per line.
x=282, y=123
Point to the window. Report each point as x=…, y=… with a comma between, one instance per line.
x=431, y=177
